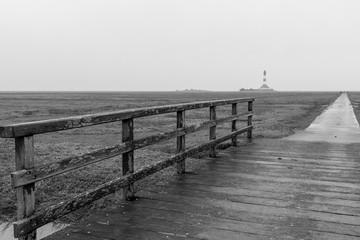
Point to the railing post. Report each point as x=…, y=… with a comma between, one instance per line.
x=212, y=135
x=233, y=124
x=24, y=159
x=250, y=108
x=128, y=157
x=180, y=143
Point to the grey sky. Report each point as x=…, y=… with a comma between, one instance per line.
x=168, y=45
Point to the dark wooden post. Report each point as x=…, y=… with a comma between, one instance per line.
x=24, y=159
x=128, y=158
x=233, y=124
x=250, y=107
x=180, y=123
x=212, y=135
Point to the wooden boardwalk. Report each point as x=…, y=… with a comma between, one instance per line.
x=269, y=189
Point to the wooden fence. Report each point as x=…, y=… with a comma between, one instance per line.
x=26, y=174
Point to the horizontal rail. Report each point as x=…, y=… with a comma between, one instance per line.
x=24, y=177
x=53, y=125
x=27, y=225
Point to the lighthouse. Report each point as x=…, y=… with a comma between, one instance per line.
x=264, y=86
x=264, y=79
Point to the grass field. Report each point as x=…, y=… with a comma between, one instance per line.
x=355, y=102
x=276, y=114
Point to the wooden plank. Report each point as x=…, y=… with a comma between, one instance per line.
x=350, y=186
x=200, y=207
x=301, y=165
x=278, y=166
x=170, y=224
x=212, y=133
x=282, y=202
x=299, y=156
x=23, y=177
x=53, y=125
x=292, y=153
x=180, y=142
x=296, y=160
x=209, y=216
x=149, y=214
x=326, y=191
x=255, y=208
x=247, y=191
x=250, y=108
x=176, y=223
x=290, y=170
x=266, y=182
x=257, y=172
x=27, y=225
x=233, y=123
x=222, y=195
x=196, y=210
x=109, y=231
x=128, y=157
x=271, y=170
x=25, y=196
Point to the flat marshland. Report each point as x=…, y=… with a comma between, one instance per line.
x=355, y=102
x=276, y=114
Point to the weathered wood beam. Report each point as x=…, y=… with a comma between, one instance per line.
x=25, y=226
x=233, y=124
x=212, y=131
x=250, y=108
x=25, y=195
x=180, y=141
x=24, y=177
x=53, y=125
x=27, y=176
x=128, y=157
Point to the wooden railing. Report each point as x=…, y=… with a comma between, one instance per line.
x=26, y=174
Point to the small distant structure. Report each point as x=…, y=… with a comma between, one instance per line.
x=265, y=87
x=192, y=90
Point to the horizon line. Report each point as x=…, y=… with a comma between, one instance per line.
x=254, y=90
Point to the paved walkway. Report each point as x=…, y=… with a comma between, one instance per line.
x=336, y=124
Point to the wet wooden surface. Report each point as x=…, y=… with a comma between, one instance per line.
x=269, y=189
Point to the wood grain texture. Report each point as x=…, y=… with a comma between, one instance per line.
x=25, y=196
x=26, y=175
x=25, y=226
x=233, y=123
x=128, y=157
x=250, y=108
x=180, y=141
x=53, y=125
x=267, y=189
x=212, y=131
x=23, y=177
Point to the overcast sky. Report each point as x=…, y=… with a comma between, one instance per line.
x=149, y=45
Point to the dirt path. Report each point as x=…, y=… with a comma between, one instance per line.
x=336, y=124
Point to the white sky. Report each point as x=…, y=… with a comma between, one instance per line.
x=149, y=45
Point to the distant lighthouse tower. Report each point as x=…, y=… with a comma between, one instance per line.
x=264, y=86
x=264, y=79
